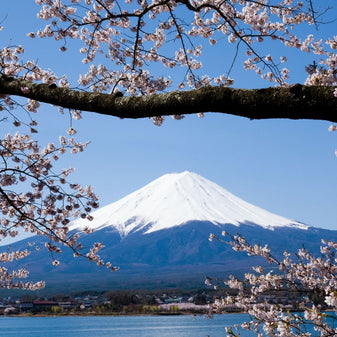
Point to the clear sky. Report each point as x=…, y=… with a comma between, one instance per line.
x=286, y=167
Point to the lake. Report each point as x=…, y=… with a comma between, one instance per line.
x=121, y=326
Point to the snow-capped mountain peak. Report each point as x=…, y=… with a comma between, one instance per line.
x=177, y=198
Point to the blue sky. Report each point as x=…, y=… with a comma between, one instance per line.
x=286, y=167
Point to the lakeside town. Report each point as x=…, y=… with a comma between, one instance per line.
x=120, y=302
x=139, y=303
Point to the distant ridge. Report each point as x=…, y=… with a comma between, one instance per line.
x=178, y=198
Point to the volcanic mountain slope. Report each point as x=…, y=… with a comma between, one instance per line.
x=158, y=236
x=176, y=199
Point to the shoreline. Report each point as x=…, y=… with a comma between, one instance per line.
x=104, y=315
x=122, y=314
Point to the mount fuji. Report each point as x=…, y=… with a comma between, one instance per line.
x=176, y=199
x=158, y=236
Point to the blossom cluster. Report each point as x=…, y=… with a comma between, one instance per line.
x=305, y=272
x=138, y=33
x=325, y=74
x=48, y=205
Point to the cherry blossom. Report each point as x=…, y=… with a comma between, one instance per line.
x=312, y=275
x=127, y=37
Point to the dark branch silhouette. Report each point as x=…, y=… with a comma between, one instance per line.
x=294, y=102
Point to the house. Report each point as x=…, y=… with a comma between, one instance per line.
x=44, y=305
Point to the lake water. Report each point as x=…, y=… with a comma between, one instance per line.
x=125, y=326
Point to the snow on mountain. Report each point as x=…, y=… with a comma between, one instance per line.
x=177, y=198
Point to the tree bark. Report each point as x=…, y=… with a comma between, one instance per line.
x=294, y=102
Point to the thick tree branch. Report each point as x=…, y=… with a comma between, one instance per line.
x=295, y=102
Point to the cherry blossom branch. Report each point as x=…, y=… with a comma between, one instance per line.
x=294, y=102
x=315, y=275
x=48, y=207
